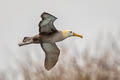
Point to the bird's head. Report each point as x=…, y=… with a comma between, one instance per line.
x=69, y=33
x=26, y=40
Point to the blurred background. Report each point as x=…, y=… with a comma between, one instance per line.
x=95, y=57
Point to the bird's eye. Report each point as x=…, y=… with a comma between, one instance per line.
x=70, y=31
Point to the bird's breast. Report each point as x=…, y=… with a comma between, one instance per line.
x=56, y=37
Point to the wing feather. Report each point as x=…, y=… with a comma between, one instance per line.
x=51, y=54
x=46, y=26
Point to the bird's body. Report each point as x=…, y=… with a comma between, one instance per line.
x=51, y=38
x=47, y=37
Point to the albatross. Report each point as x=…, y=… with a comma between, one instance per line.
x=47, y=38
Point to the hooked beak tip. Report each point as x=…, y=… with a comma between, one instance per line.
x=81, y=36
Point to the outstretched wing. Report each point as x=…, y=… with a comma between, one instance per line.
x=51, y=54
x=46, y=26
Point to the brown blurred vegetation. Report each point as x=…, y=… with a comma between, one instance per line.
x=106, y=66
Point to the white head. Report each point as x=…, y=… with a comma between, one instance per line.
x=69, y=33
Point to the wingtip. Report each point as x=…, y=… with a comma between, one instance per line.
x=48, y=68
x=48, y=14
x=44, y=13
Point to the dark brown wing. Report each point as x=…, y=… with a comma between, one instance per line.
x=51, y=54
x=46, y=26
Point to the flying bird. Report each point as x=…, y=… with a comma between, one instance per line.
x=47, y=38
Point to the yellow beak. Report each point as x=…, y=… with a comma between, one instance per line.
x=78, y=35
